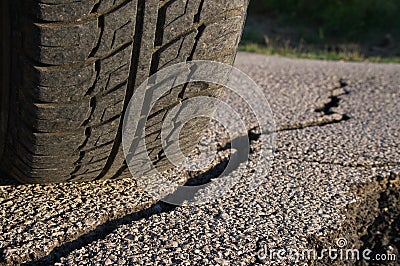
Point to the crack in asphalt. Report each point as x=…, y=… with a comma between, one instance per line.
x=326, y=120
x=330, y=116
x=334, y=99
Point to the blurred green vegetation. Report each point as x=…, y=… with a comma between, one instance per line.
x=355, y=30
x=351, y=20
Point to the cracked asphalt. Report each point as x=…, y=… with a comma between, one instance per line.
x=335, y=173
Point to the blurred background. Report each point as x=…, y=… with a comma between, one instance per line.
x=353, y=30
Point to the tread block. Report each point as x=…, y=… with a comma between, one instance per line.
x=44, y=144
x=101, y=135
x=113, y=71
x=62, y=44
x=64, y=10
x=177, y=51
x=218, y=35
x=107, y=108
x=117, y=28
x=55, y=85
x=212, y=8
x=56, y=117
x=179, y=16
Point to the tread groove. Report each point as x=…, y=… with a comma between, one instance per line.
x=137, y=43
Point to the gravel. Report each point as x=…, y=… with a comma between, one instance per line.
x=337, y=132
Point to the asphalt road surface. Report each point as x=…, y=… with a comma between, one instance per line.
x=335, y=174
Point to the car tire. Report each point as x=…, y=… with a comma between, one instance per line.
x=69, y=69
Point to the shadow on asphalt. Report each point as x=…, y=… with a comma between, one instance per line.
x=101, y=231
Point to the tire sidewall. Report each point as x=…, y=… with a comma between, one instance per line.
x=5, y=72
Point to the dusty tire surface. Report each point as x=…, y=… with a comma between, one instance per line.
x=73, y=69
